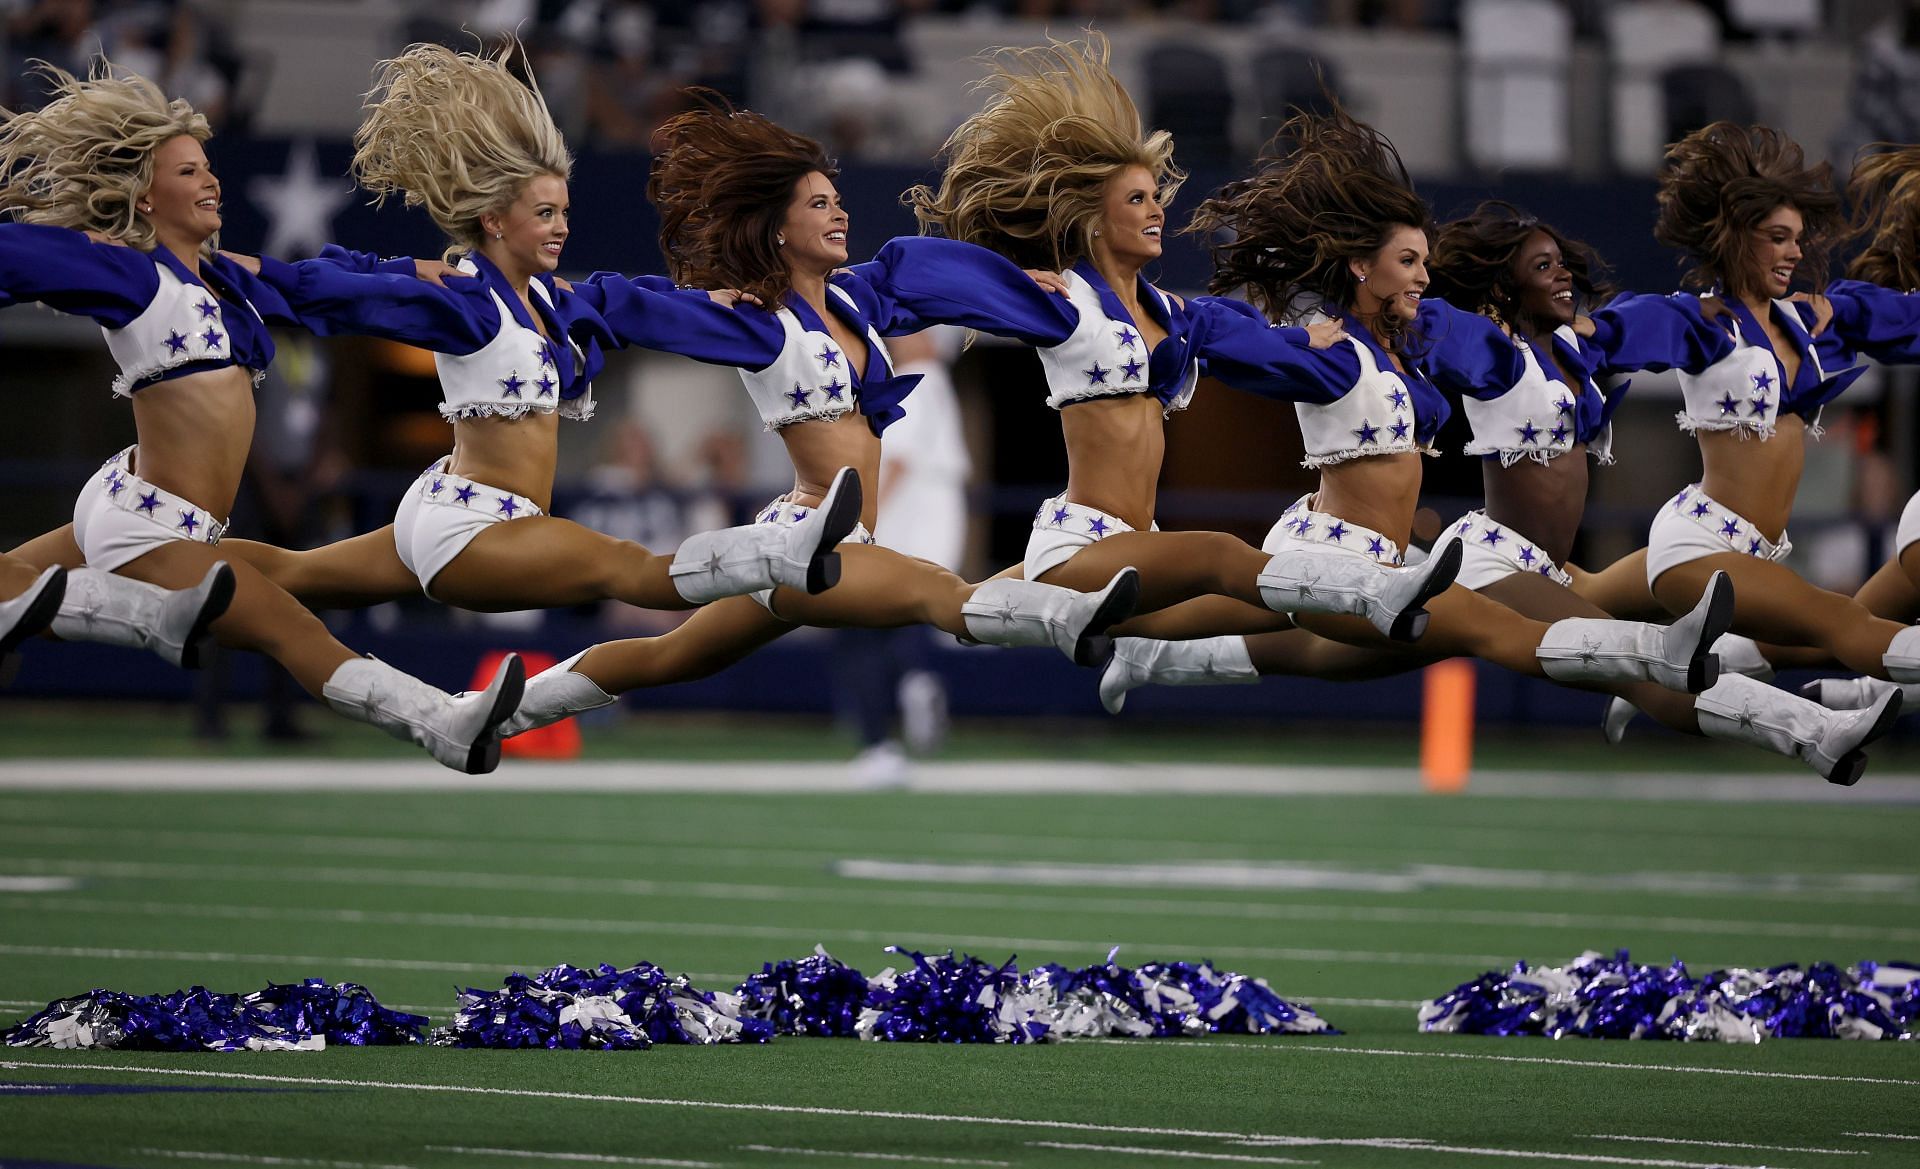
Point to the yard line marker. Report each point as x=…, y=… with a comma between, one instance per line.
x=11, y=884
x=1883, y=1136
x=1190, y=1154
x=1610, y=1136
x=866, y=1156
x=995, y=777
x=244, y=1159
x=1334, y=1049
x=595, y=1158
x=1422, y=1145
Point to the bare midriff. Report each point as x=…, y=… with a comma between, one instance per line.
x=1377, y=491
x=194, y=434
x=819, y=448
x=1114, y=450
x=1542, y=501
x=513, y=454
x=1755, y=477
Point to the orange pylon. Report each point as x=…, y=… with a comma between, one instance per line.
x=559, y=740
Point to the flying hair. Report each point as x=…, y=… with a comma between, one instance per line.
x=1473, y=259
x=1718, y=183
x=1885, y=193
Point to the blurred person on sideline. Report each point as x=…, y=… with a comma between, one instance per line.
x=881, y=673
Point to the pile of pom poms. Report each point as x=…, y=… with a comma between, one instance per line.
x=1596, y=997
x=299, y=1016
x=929, y=999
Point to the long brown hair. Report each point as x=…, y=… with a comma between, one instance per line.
x=722, y=181
x=1473, y=257
x=1328, y=189
x=1718, y=183
x=1885, y=193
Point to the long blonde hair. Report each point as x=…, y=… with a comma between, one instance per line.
x=457, y=134
x=1026, y=176
x=1885, y=192
x=84, y=159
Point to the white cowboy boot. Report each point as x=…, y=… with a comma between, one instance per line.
x=1902, y=658
x=460, y=730
x=1741, y=655
x=1613, y=724
x=1741, y=710
x=1677, y=656
x=1005, y=611
x=733, y=561
x=33, y=610
x=1856, y=693
x=118, y=610
x=1142, y=661
x=1308, y=580
x=555, y=693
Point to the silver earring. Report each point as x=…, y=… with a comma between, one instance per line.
x=146, y=209
x=497, y=235
x=780, y=241
x=1363, y=280
x=1096, y=233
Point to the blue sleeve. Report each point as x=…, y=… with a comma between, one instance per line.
x=649, y=312
x=1876, y=321
x=332, y=297
x=1466, y=352
x=921, y=281
x=63, y=269
x=1242, y=349
x=1638, y=331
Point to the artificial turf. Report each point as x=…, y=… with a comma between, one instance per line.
x=415, y=894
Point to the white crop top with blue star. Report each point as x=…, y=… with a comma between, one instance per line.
x=1106, y=356
x=514, y=374
x=809, y=379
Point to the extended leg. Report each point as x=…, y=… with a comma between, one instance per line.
x=1775, y=605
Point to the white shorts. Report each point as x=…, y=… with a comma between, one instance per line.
x=1302, y=527
x=1061, y=529
x=1909, y=530
x=1693, y=526
x=441, y=514
x=782, y=511
x=120, y=517
x=1494, y=552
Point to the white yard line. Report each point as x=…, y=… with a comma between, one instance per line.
x=1884, y=1136
x=591, y=1158
x=1183, y=1154
x=790, y=1150
x=244, y=1159
x=1613, y=1136
x=1421, y=1145
x=1104, y=779
x=10, y=884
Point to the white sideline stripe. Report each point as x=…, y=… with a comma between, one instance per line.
x=1421, y=1145
x=244, y=1159
x=1883, y=1136
x=1612, y=1136
x=10, y=884
x=998, y=776
x=595, y=1158
x=865, y=1156
x=1413, y=878
x=1187, y=1154
x=1679, y=1069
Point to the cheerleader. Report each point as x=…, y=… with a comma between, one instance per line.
x=111, y=155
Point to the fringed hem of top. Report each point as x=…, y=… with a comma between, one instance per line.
x=566, y=409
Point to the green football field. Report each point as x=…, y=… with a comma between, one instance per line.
x=1348, y=890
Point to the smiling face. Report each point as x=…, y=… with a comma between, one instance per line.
x=1395, y=276
x=1131, y=218
x=532, y=230
x=1542, y=284
x=815, y=228
x=183, y=203
x=1775, y=251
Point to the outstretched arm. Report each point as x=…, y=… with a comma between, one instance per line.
x=1638, y=331
x=916, y=282
x=343, y=293
x=66, y=270
x=1289, y=362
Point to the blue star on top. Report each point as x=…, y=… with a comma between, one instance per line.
x=438, y=486
x=1098, y=526
x=800, y=395
x=1131, y=368
x=188, y=521
x=1753, y=546
x=1492, y=537
x=212, y=336
x=116, y=485
x=1564, y=405
x=1398, y=398
x=1731, y=527
x=1729, y=405
x=546, y=384
x=465, y=493
x=835, y=390
x=799, y=515
x=511, y=384
x=1559, y=433
x=1126, y=336
x=829, y=357
x=1701, y=509
x=149, y=502
x=176, y=342
x=1338, y=531
x=1060, y=516
x=1376, y=546
x=1096, y=376
x=546, y=354
x=208, y=310
x=1758, y=404
x=1303, y=525
x=1399, y=429
x=508, y=507
x=1528, y=433
x=1763, y=380
x=1527, y=555
x=1367, y=433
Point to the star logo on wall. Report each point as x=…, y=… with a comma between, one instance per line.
x=299, y=205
